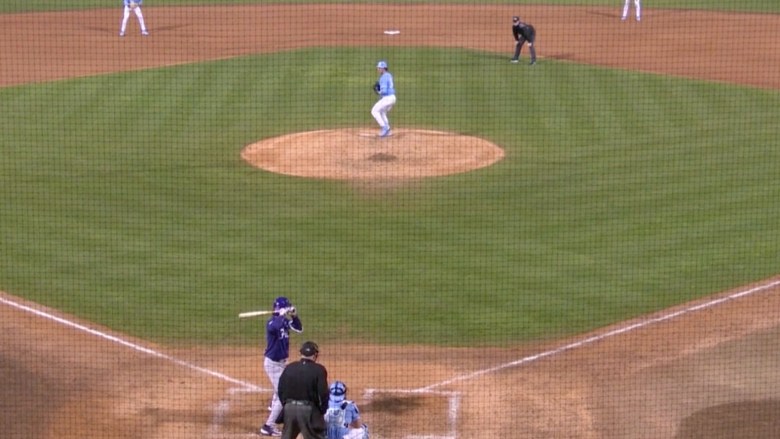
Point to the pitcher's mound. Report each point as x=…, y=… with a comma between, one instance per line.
x=358, y=154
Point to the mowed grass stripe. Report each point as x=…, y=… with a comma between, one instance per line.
x=123, y=199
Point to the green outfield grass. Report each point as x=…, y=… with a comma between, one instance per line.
x=724, y=5
x=123, y=199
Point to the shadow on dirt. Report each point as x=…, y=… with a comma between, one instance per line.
x=744, y=420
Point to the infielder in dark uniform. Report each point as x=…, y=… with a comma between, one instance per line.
x=523, y=32
x=303, y=388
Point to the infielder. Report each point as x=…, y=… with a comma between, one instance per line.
x=277, y=334
x=343, y=416
x=386, y=89
x=134, y=6
x=637, y=9
x=523, y=32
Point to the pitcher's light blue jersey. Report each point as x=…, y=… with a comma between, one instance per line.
x=386, y=85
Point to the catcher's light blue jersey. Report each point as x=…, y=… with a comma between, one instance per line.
x=339, y=415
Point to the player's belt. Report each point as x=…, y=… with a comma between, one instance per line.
x=297, y=402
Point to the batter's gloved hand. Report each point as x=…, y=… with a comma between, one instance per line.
x=292, y=312
x=377, y=88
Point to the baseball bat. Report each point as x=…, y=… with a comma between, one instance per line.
x=245, y=315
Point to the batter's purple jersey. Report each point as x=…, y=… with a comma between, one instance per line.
x=277, y=336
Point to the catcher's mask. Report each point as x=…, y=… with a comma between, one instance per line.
x=281, y=302
x=338, y=391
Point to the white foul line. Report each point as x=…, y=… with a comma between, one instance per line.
x=600, y=337
x=132, y=346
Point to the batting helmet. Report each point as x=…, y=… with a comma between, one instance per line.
x=381, y=65
x=281, y=302
x=338, y=391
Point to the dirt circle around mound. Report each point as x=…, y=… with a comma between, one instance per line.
x=359, y=154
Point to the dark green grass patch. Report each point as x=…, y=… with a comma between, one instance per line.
x=123, y=199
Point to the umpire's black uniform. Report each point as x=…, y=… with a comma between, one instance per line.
x=523, y=32
x=303, y=390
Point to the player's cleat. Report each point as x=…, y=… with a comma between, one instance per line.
x=532, y=63
x=514, y=61
x=269, y=430
x=385, y=132
x=121, y=34
x=145, y=33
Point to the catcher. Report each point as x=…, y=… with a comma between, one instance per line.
x=135, y=7
x=343, y=416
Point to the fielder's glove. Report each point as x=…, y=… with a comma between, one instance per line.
x=376, y=88
x=133, y=5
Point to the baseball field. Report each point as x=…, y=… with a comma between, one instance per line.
x=584, y=248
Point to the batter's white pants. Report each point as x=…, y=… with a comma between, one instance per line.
x=380, y=109
x=637, y=8
x=274, y=371
x=127, y=16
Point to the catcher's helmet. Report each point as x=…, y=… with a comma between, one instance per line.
x=338, y=391
x=381, y=65
x=281, y=302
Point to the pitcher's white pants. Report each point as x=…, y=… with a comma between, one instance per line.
x=127, y=16
x=637, y=8
x=380, y=109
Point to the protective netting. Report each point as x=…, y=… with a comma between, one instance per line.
x=582, y=247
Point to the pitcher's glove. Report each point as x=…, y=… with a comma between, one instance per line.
x=376, y=88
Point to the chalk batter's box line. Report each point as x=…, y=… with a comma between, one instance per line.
x=453, y=401
x=453, y=398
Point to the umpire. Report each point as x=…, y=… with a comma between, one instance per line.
x=523, y=32
x=303, y=389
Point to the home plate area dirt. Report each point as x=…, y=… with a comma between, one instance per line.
x=708, y=369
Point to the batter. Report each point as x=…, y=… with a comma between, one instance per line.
x=277, y=334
